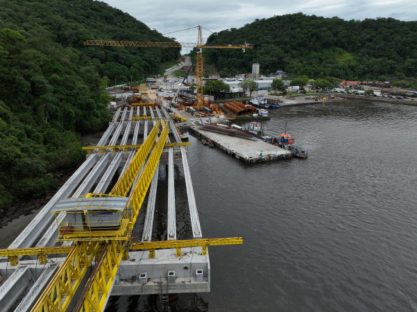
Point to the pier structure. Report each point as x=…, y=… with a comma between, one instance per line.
x=161, y=259
x=249, y=151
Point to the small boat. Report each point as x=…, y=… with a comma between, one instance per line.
x=298, y=152
x=207, y=142
x=263, y=112
x=273, y=103
x=184, y=137
x=254, y=128
x=259, y=102
x=286, y=139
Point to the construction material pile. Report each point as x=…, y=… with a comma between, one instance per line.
x=227, y=131
x=240, y=108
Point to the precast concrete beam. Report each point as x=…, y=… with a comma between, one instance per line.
x=34, y=292
x=150, y=209
x=43, y=219
x=172, y=221
x=14, y=287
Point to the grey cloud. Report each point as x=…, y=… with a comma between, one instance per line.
x=215, y=15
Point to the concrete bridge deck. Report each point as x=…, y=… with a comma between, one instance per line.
x=140, y=275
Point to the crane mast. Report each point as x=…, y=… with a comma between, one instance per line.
x=199, y=46
x=199, y=70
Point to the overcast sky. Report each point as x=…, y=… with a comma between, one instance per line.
x=215, y=15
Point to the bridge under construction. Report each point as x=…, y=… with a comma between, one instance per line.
x=116, y=225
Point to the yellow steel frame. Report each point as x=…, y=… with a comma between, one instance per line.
x=133, y=246
x=138, y=118
x=109, y=148
x=102, y=281
x=97, y=235
x=108, y=247
x=143, y=104
x=199, y=71
x=140, y=189
x=178, y=244
x=63, y=286
x=61, y=289
x=123, y=185
x=199, y=57
x=135, y=44
x=155, y=44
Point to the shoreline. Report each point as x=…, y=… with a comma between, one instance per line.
x=374, y=99
x=340, y=98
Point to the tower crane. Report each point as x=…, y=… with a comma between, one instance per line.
x=106, y=245
x=199, y=46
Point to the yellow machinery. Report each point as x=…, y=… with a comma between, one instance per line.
x=199, y=70
x=106, y=247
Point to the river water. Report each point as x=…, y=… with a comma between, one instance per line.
x=335, y=232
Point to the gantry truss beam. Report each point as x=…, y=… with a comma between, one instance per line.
x=42, y=253
x=117, y=148
x=143, y=104
x=107, y=253
x=123, y=185
x=88, y=268
x=162, y=44
x=61, y=289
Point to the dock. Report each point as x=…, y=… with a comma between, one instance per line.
x=248, y=151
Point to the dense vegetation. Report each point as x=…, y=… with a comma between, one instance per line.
x=52, y=88
x=322, y=47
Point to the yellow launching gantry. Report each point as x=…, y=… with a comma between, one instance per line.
x=99, y=228
x=199, y=69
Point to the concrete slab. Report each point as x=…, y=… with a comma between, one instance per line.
x=246, y=150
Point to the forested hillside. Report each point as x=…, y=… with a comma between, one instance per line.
x=322, y=47
x=52, y=88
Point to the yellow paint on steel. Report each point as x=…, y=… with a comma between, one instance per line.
x=103, y=279
x=196, y=242
x=134, y=44
x=61, y=289
x=155, y=44
x=199, y=79
x=143, y=104
x=108, y=250
x=199, y=55
x=133, y=246
x=138, y=118
x=123, y=185
x=110, y=148
x=101, y=283
x=140, y=189
x=35, y=251
x=97, y=235
x=59, y=293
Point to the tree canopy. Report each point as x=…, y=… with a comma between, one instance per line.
x=216, y=86
x=382, y=48
x=52, y=87
x=248, y=84
x=277, y=85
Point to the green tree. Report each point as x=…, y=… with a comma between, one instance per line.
x=248, y=84
x=278, y=85
x=318, y=47
x=216, y=86
x=52, y=88
x=299, y=81
x=323, y=83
